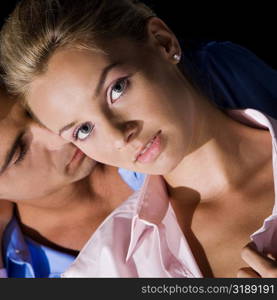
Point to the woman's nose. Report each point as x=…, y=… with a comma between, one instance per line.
x=124, y=134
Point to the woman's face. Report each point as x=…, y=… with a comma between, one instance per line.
x=129, y=108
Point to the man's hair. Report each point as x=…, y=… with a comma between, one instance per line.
x=37, y=28
x=2, y=82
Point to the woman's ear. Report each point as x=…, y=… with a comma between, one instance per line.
x=161, y=37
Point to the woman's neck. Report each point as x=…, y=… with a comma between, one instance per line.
x=223, y=155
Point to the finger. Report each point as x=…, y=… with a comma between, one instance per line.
x=247, y=273
x=269, y=255
x=260, y=263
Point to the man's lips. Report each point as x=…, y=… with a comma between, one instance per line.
x=144, y=153
x=77, y=156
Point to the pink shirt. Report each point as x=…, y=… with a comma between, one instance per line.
x=142, y=238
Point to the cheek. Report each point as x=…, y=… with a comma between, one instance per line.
x=18, y=187
x=152, y=100
x=95, y=151
x=39, y=184
x=101, y=152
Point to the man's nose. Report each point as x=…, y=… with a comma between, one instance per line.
x=46, y=138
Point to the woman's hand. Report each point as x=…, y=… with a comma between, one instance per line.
x=261, y=266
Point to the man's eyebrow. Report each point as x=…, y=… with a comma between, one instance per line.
x=10, y=153
x=103, y=77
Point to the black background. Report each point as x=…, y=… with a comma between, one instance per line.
x=251, y=25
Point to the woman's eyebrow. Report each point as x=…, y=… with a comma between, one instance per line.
x=103, y=77
x=66, y=127
x=99, y=86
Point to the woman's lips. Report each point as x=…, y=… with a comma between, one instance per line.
x=151, y=150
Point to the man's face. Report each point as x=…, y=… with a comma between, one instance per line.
x=33, y=161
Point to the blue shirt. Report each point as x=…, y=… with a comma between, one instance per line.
x=24, y=258
x=230, y=75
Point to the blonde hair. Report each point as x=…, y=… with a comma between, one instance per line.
x=37, y=28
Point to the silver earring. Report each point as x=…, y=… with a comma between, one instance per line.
x=177, y=57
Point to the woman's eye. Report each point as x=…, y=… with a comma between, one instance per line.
x=83, y=131
x=118, y=89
